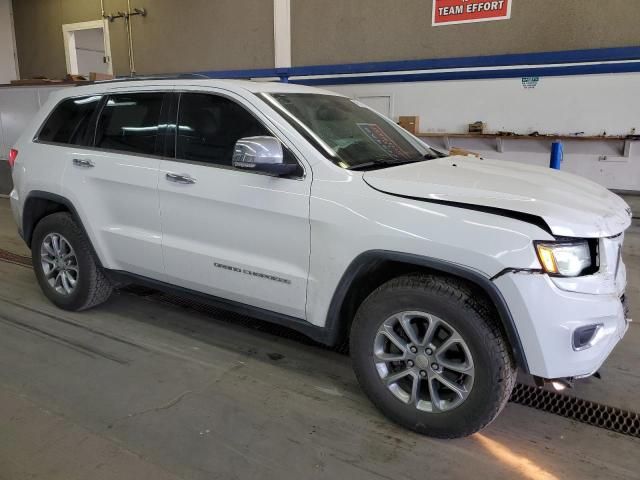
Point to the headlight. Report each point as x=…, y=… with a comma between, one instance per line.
x=562, y=258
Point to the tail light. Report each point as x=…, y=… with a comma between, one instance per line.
x=13, y=154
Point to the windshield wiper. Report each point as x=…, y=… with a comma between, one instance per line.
x=381, y=163
x=434, y=154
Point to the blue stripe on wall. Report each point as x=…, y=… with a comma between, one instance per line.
x=537, y=59
x=475, y=75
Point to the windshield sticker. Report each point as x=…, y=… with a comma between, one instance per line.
x=380, y=138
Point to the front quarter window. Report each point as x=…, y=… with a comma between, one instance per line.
x=347, y=132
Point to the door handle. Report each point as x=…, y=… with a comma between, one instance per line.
x=180, y=178
x=84, y=163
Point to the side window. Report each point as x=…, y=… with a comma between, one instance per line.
x=69, y=121
x=130, y=122
x=209, y=127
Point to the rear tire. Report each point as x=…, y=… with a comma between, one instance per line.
x=65, y=266
x=458, y=372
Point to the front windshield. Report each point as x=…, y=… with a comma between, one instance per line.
x=349, y=133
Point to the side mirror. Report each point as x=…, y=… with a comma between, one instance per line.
x=261, y=154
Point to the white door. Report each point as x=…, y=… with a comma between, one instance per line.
x=230, y=233
x=379, y=103
x=87, y=47
x=115, y=184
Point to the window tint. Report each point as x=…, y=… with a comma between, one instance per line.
x=130, y=122
x=209, y=126
x=69, y=121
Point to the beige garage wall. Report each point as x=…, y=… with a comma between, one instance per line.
x=350, y=31
x=175, y=36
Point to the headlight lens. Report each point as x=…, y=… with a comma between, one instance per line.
x=566, y=259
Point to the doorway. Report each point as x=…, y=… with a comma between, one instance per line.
x=380, y=103
x=87, y=48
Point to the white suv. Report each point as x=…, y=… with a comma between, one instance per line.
x=305, y=208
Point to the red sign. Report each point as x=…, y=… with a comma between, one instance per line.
x=448, y=12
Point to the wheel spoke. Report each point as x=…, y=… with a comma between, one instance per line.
x=405, y=322
x=51, y=273
x=390, y=357
x=394, y=377
x=459, y=390
x=47, y=259
x=55, y=242
x=393, y=337
x=448, y=343
x=435, y=397
x=65, y=282
x=415, y=390
x=72, y=281
x=464, y=367
x=49, y=249
x=431, y=330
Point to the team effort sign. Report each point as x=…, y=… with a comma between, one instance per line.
x=448, y=12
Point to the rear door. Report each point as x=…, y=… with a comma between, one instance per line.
x=114, y=183
x=231, y=233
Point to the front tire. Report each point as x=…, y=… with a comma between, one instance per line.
x=65, y=266
x=429, y=353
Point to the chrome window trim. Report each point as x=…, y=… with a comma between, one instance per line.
x=104, y=150
x=172, y=89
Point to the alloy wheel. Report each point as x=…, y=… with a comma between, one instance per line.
x=59, y=263
x=423, y=361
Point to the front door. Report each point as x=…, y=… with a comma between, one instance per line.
x=231, y=233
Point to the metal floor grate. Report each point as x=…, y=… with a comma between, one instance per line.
x=583, y=411
x=10, y=257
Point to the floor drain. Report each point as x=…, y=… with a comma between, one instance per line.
x=583, y=411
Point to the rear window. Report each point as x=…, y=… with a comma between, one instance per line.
x=130, y=122
x=69, y=121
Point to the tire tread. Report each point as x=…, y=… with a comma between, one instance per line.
x=99, y=286
x=493, y=339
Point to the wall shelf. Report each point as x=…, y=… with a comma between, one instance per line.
x=498, y=142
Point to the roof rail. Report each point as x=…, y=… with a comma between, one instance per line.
x=178, y=76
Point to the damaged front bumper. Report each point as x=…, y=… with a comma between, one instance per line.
x=548, y=319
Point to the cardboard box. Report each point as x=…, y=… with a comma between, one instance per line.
x=410, y=123
x=477, y=127
x=95, y=76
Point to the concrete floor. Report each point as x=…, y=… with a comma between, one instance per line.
x=144, y=390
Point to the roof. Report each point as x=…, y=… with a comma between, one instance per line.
x=231, y=85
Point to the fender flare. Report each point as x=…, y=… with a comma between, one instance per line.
x=28, y=223
x=336, y=327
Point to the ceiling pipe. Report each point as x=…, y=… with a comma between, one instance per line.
x=132, y=64
x=127, y=20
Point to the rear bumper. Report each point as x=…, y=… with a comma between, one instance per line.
x=546, y=318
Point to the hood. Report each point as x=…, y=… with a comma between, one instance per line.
x=570, y=205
